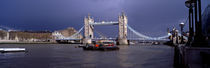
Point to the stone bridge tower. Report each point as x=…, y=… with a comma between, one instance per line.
x=88, y=29
x=122, y=37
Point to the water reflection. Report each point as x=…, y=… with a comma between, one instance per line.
x=123, y=58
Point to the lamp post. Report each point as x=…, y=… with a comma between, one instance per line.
x=182, y=26
x=198, y=39
x=190, y=4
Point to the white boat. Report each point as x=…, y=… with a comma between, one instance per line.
x=12, y=49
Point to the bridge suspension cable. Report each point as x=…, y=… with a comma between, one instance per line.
x=60, y=36
x=77, y=33
x=147, y=37
x=101, y=35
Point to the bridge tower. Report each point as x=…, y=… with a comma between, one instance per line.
x=122, y=37
x=88, y=32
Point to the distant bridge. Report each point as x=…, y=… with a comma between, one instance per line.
x=123, y=34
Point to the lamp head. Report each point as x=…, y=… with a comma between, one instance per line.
x=189, y=3
x=181, y=24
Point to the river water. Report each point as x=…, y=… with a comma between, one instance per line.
x=67, y=56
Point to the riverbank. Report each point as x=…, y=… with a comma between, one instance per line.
x=28, y=43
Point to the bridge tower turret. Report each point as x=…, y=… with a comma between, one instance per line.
x=122, y=37
x=88, y=32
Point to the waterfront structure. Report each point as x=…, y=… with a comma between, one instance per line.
x=3, y=34
x=88, y=29
x=30, y=36
x=122, y=23
x=7, y=37
x=122, y=37
x=196, y=53
x=57, y=35
x=69, y=35
x=126, y=33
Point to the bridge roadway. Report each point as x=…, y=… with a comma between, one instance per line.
x=114, y=39
x=105, y=23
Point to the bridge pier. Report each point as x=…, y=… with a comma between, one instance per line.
x=122, y=36
x=122, y=41
x=88, y=41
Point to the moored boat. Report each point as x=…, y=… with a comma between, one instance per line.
x=12, y=50
x=101, y=45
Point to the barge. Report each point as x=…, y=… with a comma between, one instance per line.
x=101, y=45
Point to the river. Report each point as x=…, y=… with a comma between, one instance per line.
x=67, y=56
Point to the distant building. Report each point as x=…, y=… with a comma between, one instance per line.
x=57, y=35
x=3, y=34
x=37, y=36
x=67, y=32
x=30, y=36
x=62, y=34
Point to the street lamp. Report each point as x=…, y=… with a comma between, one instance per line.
x=190, y=4
x=195, y=17
x=181, y=26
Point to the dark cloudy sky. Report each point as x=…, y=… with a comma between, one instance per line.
x=150, y=17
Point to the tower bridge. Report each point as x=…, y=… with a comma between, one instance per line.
x=122, y=23
x=123, y=29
